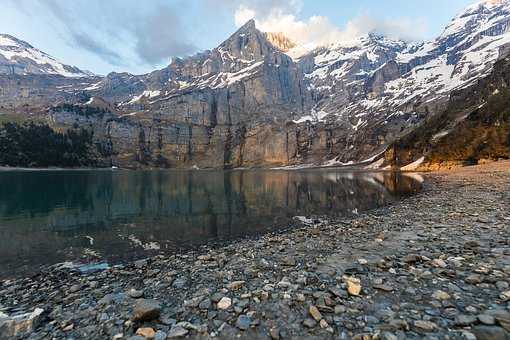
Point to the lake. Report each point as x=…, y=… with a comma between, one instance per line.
x=110, y=216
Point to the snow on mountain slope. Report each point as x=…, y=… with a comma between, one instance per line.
x=337, y=74
x=381, y=77
x=466, y=51
x=346, y=63
x=247, y=54
x=19, y=57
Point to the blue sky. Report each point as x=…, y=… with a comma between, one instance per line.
x=138, y=36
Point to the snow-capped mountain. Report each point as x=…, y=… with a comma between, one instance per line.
x=19, y=57
x=379, y=89
x=466, y=51
x=249, y=68
x=405, y=75
x=341, y=71
x=258, y=99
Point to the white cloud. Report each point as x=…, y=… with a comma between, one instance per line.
x=319, y=30
x=243, y=14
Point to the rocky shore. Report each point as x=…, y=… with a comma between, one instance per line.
x=436, y=266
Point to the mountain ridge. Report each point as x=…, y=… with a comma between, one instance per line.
x=250, y=102
x=19, y=57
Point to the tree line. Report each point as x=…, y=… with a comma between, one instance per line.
x=38, y=145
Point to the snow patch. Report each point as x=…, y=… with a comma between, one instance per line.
x=15, y=50
x=440, y=135
x=145, y=94
x=414, y=165
x=314, y=116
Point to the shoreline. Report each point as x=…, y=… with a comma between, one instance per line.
x=346, y=168
x=435, y=263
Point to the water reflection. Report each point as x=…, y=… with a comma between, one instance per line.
x=48, y=217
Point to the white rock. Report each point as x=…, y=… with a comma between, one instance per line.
x=225, y=303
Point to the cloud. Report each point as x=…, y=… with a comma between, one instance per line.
x=160, y=36
x=131, y=32
x=154, y=34
x=280, y=16
x=262, y=8
x=79, y=36
x=96, y=47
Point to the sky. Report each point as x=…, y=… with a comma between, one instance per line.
x=139, y=36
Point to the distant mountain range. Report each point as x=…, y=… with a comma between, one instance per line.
x=259, y=99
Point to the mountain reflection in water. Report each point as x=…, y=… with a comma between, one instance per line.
x=47, y=217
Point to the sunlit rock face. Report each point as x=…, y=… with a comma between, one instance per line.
x=255, y=101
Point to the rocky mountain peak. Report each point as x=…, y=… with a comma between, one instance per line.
x=486, y=5
x=248, y=26
x=19, y=57
x=7, y=40
x=480, y=17
x=248, y=43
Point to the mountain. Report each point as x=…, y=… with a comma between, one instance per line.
x=474, y=127
x=215, y=109
x=259, y=99
x=374, y=98
x=246, y=61
x=20, y=58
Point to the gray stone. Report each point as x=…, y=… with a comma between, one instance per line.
x=489, y=333
x=140, y=263
x=177, y=332
x=424, y=325
x=135, y=294
x=243, y=322
x=465, y=320
x=388, y=336
x=486, y=319
x=205, y=304
x=146, y=310
x=502, y=285
x=309, y=323
x=179, y=283
x=74, y=288
x=160, y=335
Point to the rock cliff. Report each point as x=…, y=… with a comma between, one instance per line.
x=252, y=101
